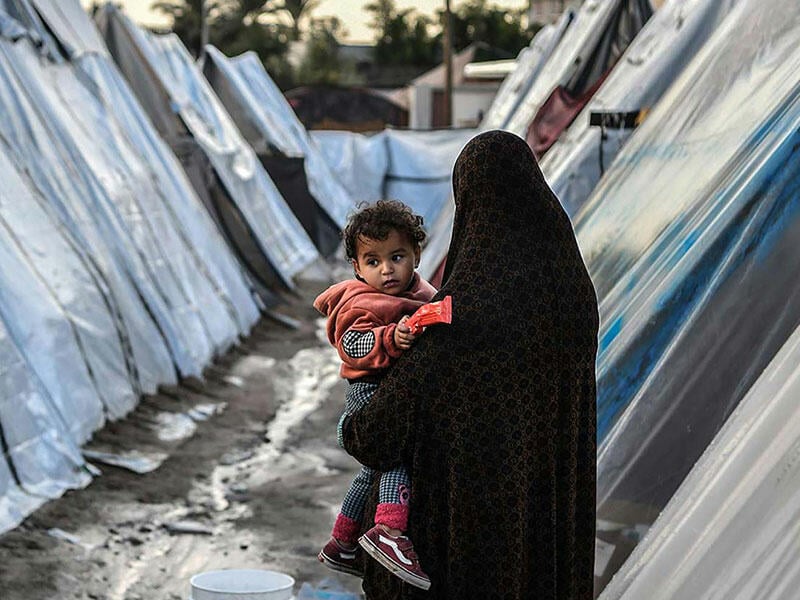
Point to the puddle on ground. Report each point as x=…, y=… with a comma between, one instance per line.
x=301, y=384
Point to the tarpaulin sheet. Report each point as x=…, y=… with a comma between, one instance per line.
x=360, y=161
x=40, y=146
x=208, y=256
x=281, y=235
x=275, y=229
x=526, y=69
x=102, y=203
x=420, y=168
x=655, y=58
x=57, y=314
x=97, y=259
x=691, y=242
x=70, y=25
x=40, y=460
x=277, y=123
x=587, y=49
x=731, y=530
x=414, y=167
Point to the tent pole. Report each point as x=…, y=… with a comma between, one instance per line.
x=448, y=66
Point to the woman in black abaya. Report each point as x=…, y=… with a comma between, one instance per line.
x=494, y=415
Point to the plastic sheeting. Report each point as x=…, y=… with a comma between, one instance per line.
x=411, y=166
x=297, y=177
x=102, y=290
x=527, y=66
x=70, y=25
x=203, y=252
x=103, y=204
x=691, y=242
x=40, y=146
x=360, y=161
x=57, y=314
x=274, y=229
x=40, y=461
x=276, y=123
x=134, y=201
x=655, y=58
x=731, y=530
x=571, y=58
x=421, y=166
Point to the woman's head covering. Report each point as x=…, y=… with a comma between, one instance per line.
x=500, y=193
x=494, y=414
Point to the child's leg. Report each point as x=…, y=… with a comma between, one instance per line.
x=357, y=397
x=348, y=522
x=385, y=542
x=395, y=493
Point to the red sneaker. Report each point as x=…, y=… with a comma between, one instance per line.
x=396, y=554
x=336, y=557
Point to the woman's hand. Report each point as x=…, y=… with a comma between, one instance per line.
x=403, y=338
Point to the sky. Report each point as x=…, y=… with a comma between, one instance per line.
x=351, y=12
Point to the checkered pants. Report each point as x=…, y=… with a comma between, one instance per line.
x=358, y=395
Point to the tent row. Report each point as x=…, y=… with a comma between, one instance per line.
x=689, y=237
x=680, y=174
x=140, y=234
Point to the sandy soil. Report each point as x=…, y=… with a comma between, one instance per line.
x=259, y=482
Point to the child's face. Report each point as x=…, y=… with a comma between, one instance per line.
x=387, y=265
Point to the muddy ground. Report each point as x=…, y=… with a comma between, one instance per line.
x=254, y=485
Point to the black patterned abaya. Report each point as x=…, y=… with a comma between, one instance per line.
x=494, y=415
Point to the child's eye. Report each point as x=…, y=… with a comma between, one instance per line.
x=397, y=257
x=372, y=262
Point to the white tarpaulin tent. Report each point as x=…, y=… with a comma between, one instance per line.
x=593, y=32
x=690, y=239
x=113, y=279
x=654, y=59
x=267, y=110
x=360, y=161
x=164, y=76
x=526, y=69
x=731, y=530
x=40, y=458
x=411, y=166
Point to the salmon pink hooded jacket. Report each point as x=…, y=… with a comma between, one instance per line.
x=362, y=320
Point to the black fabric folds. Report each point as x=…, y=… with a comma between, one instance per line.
x=494, y=415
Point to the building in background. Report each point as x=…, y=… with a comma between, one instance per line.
x=478, y=71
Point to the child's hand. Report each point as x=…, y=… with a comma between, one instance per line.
x=403, y=338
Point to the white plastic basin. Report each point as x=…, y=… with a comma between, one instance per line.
x=242, y=584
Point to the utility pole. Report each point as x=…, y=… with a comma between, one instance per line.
x=448, y=65
x=201, y=55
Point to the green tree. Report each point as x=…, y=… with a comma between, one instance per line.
x=186, y=16
x=321, y=63
x=402, y=35
x=234, y=26
x=297, y=10
x=477, y=21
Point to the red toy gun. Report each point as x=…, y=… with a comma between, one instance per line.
x=429, y=314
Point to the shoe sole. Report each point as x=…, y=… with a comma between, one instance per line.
x=336, y=566
x=396, y=570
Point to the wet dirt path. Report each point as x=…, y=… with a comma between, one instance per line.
x=255, y=485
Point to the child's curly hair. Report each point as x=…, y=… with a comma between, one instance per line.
x=375, y=221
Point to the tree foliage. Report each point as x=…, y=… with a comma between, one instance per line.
x=296, y=10
x=321, y=64
x=477, y=21
x=403, y=36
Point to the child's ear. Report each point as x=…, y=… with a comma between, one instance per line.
x=356, y=269
x=417, y=252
